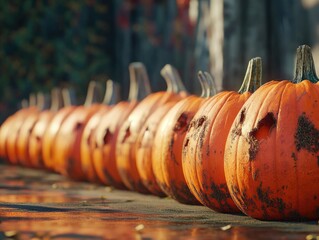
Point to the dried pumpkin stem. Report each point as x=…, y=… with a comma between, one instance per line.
x=93, y=93
x=207, y=84
x=173, y=79
x=42, y=101
x=252, y=80
x=112, y=93
x=304, y=66
x=32, y=100
x=139, y=82
x=68, y=96
x=56, y=99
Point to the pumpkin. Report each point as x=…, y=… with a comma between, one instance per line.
x=16, y=143
x=204, y=144
x=271, y=155
x=34, y=144
x=145, y=140
x=66, y=156
x=105, y=135
x=168, y=143
x=9, y=126
x=128, y=134
x=111, y=98
x=52, y=129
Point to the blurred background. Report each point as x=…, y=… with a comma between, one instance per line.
x=47, y=43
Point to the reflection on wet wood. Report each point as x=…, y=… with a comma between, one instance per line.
x=40, y=205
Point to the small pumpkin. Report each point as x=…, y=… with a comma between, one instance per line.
x=53, y=127
x=110, y=99
x=128, y=134
x=271, y=155
x=10, y=125
x=168, y=144
x=34, y=145
x=204, y=144
x=65, y=149
x=16, y=143
x=104, y=138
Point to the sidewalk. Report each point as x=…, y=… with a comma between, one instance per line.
x=38, y=205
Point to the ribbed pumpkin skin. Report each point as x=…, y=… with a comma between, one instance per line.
x=86, y=145
x=104, y=143
x=36, y=138
x=66, y=147
x=144, y=146
x=203, y=150
x=167, y=151
x=50, y=135
x=271, y=156
x=128, y=134
x=9, y=130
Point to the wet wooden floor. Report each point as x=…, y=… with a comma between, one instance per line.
x=38, y=205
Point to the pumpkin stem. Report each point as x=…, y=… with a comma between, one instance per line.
x=24, y=103
x=68, y=96
x=32, y=100
x=173, y=79
x=42, y=101
x=304, y=66
x=112, y=93
x=252, y=80
x=139, y=82
x=56, y=99
x=93, y=93
x=207, y=83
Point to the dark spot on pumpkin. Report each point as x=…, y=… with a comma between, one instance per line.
x=127, y=134
x=244, y=201
x=264, y=196
x=242, y=116
x=306, y=136
x=186, y=143
x=294, y=215
x=78, y=126
x=38, y=139
x=294, y=157
x=200, y=121
x=221, y=195
x=256, y=175
x=89, y=139
x=262, y=131
x=181, y=123
x=108, y=135
x=315, y=197
x=318, y=161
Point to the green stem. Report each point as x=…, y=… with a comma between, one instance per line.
x=207, y=84
x=252, y=80
x=304, y=66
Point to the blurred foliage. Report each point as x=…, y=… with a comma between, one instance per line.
x=52, y=43
x=46, y=43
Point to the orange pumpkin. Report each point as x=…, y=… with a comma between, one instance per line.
x=111, y=97
x=17, y=141
x=271, y=154
x=34, y=145
x=145, y=141
x=128, y=134
x=104, y=138
x=204, y=144
x=66, y=146
x=10, y=125
x=167, y=150
x=53, y=127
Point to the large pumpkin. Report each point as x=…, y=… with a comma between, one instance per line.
x=34, y=139
x=86, y=151
x=271, y=156
x=167, y=150
x=128, y=134
x=204, y=144
x=104, y=138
